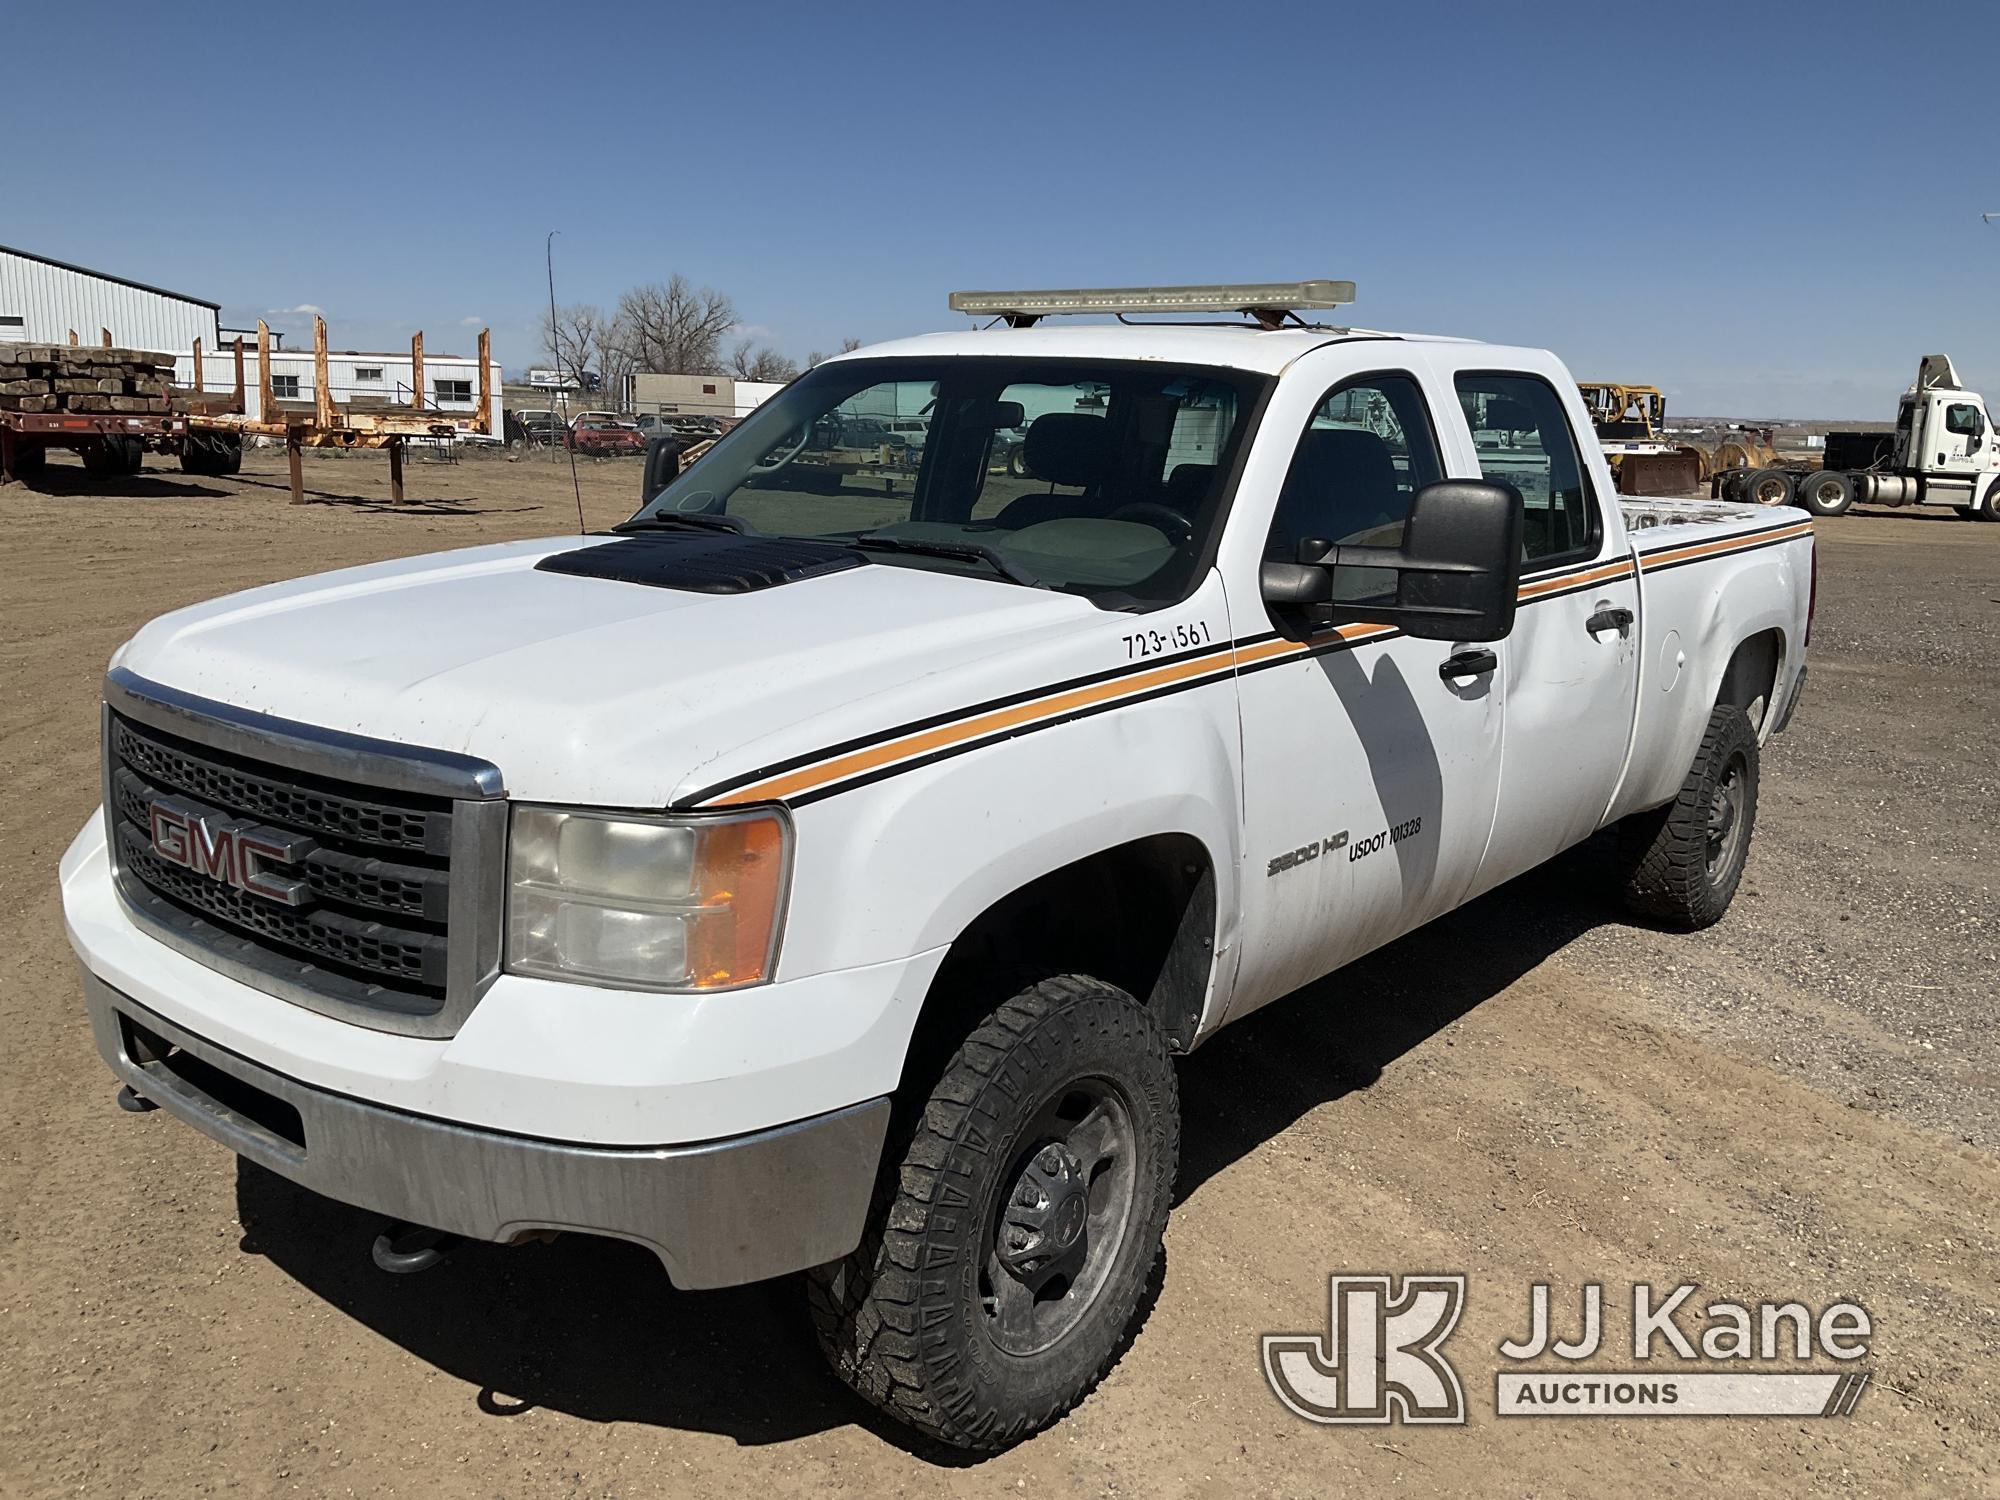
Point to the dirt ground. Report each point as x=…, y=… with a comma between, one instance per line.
x=1803, y=1102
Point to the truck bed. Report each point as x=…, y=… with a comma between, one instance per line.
x=1649, y=515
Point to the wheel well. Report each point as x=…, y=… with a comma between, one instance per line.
x=1751, y=678
x=1140, y=916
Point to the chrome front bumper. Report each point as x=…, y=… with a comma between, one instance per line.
x=717, y=1214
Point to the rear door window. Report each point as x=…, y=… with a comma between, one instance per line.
x=1524, y=439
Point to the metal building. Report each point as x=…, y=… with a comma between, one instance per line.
x=42, y=301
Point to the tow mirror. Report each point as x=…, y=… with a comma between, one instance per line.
x=1456, y=574
x=663, y=465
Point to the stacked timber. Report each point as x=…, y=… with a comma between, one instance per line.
x=79, y=378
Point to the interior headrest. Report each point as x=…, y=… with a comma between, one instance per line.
x=1068, y=448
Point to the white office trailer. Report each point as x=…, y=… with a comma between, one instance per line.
x=720, y=396
x=44, y=301
x=356, y=379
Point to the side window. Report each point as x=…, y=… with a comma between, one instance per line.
x=1524, y=439
x=1368, y=449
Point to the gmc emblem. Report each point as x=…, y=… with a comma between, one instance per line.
x=231, y=852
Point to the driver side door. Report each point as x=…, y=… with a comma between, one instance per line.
x=1370, y=776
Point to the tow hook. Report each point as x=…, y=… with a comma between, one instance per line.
x=133, y=1103
x=404, y=1249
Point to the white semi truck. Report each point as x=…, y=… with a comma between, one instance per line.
x=1944, y=452
x=794, y=880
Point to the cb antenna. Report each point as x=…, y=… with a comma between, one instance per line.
x=555, y=346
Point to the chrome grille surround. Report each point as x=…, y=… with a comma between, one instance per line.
x=405, y=864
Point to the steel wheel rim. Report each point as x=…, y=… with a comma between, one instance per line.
x=1726, y=818
x=1061, y=1217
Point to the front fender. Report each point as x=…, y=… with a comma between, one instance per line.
x=905, y=864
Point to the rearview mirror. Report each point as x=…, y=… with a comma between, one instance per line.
x=1457, y=571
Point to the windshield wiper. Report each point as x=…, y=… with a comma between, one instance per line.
x=699, y=520
x=1013, y=572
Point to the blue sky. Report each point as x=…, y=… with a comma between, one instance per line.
x=1738, y=203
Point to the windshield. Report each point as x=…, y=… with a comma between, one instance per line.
x=1104, y=478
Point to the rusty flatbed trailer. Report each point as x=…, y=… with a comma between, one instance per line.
x=210, y=441
x=110, y=442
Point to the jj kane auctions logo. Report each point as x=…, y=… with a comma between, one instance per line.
x=1382, y=1360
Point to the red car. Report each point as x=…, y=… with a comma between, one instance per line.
x=604, y=438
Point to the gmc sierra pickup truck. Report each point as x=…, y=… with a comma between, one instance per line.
x=823, y=878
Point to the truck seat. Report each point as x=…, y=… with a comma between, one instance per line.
x=1342, y=486
x=1068, y=448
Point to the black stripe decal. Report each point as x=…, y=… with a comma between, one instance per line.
x=1221, y=651
x=1224, y=655
x=1668, y=567
x=1748, y=538
x=882, y=773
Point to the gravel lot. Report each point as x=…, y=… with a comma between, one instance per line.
x=1801, y=1102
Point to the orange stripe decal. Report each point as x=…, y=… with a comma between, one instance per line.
x=1220, y=662
x=1726, y=544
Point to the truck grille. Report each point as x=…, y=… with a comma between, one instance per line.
x=371, y=870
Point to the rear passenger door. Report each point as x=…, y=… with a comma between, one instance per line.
x=1369, y=778
x=1571, y=666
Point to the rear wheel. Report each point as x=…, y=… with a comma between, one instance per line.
x=1015, y=1233
x=1768, y=487
x=1826, y=493
x=103, y=457
x=30, y=461
x=1682, y=862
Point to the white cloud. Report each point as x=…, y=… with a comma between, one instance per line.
x=303, y=310
x=751, y=331
x=472, y=322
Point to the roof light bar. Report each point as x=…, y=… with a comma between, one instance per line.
x=1258, y=298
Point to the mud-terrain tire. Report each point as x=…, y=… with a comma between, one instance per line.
x=1682, y=863
x=1052, y=1138
x=1826, y=493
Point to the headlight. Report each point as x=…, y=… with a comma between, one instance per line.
x=656, y=903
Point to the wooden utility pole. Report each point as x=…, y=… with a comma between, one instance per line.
x=417, y=370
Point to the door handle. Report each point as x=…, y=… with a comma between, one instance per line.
x=1609, y=619
x=1474, y=663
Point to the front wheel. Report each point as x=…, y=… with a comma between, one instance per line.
x=1988, y=508
x=1014, y=1236
x=1681, y=863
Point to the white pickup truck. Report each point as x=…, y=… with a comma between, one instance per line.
x=820, y=874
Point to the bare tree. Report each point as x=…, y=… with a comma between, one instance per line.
x=576, y=341
x=763, y=363
x=674, y=327
x=819, y=356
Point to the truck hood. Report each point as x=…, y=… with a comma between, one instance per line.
x=595, y=691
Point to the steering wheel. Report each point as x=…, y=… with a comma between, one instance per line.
x=768, y=465
x=1164, y=519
